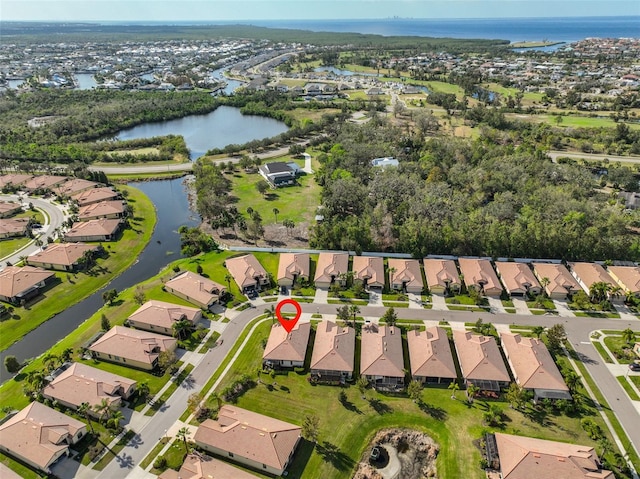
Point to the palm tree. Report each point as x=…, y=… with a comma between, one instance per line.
x=544, y=282
x=537, y=330
x=572, y=380
x=493, y=415
x=181, y=328
x=85, y=410
x=50, y=361
x=276, y=212
x=104, y=409
x=599, y=291
x=66, y=355
x=271, y=312
x=183, y=433
x=144, y=390
x=354, y=310
x=114, y=420
x=472, y=390
x=414, y=390
x=454, y=386
x=362, y=384
x=216, y=397
x=628, y=336
x=227, y=278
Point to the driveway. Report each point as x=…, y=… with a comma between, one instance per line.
x=438, y=302
x=496, y=305
x=415, y=301
x=563, y=309
x=321, y=296
x=375, y=298
x=521, y=306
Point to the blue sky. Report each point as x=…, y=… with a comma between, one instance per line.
x=211, y=10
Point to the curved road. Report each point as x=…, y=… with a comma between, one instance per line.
x=555, y=154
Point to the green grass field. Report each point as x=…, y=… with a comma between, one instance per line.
x=443, y=87
x=9, y=246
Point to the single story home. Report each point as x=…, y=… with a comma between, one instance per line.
x=480, y=361
x=518, y=279
x=102, y=229
x=80, y=383
x=586, y=274
x=332, y=267
x=480, y=274
x=195, y=288
x=19, y=284
x=430, y=355
x=369, y=270
x=384, y=162
x=74, y=186
x=43, y=182
x=62, y=256
x=405, y=275
x=533, y=367
x=14, y=227
x=9, y=208
x=13, y=180
x=286, y=349
x=132, y=347
x=248, y=273
x=95, y=195
x=254, y=440
x=104, y=209
x=160, y=316
x=293, y=267
x=381, y=360
x=560, y=283
x=39, y=436
x=333, y=353
x=442, y=276
x=627, y=277
x=201, y=466
x=280, y=173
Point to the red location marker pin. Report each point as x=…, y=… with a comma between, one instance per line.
x=288, y=324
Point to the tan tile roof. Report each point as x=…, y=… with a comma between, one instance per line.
x=533, y=366
x=133, y=344
x=101, y=227
x=370, y=268
x=43, y=181
x=381, y=351
x=439, y=272
x=81, y=383
x=430, y=353
x=479, y=357
x=102, y=208
x=251, y=435
x=516, y=277
x=37, y=433
x=163, y=314
x=334, y=347
x=560, y=280
x=73, y=185
x=197, y=287
x=201, y=466
x=15, y=280
x=7, y=206
x=65, y=254
x=589, y=273
x=283, y=346
x=331, y=264
x=628, y=277
x=406, y=271
x=529, y=458
x=95, y=195
x=479, y=272
x=293, y=264
x=13, y=226
x=245, y=269
x=13, y=179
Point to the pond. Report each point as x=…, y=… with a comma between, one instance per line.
x=346, y=73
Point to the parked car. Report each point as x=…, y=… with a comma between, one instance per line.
x=283, y=290
x=634, y=366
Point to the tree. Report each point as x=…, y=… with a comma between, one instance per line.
x=167, y=361
x=105, y=324
x=628, y=336
x=493, y=416
x=390, y=317
x=271, y=312
x=85, y=410
x=481, y=327
x=599, y=292
x=194, y=401
x=572, y=381
x=227, y=278
x=262, y=187
x=183, y=433
x=516, y=396
x=556, y=336
x=50, y=361
x=182, y=328
x=544, y=282
x=354, y=310
x=109, y=296
x=103, y=409
x=343, y=313
x=139, y=296
x=472, y=391
x=310, y=428
x=276, y=212
x=362, y=383
x=289, y=224
x=538, y=330
x=11, y=364
x=143, y=390
x=454, y=386
x=114, y=421
x=414, y=390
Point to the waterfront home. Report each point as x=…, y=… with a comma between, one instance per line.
x=480, y=274
x=279, y=173
x=95, y=195
x=331, y=268
x=248, y=273
x=518, y=279
x=430, y=355
x=73, y=186
x=200, y=466
x=627, y=277
x=560, y=282
x=104, y=209
x=405, y=275
x=442, y=276
x=381, y=359
x=286, y=349
x=43, y=182
x=94, y=230
x=369, y=271
x=18, y=284
x=293, y=267
x=333, y=353
x=63, y=256
x=195, y=288
x=160, y=316
x=480, y=361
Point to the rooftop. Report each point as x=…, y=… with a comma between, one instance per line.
x=334, y=347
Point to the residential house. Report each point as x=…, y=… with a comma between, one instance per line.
x=248, y=273
x=405, y=275
x=201, y=466
x=381, y=360
x=332, y=267
x=132, y=347
x=160, y=316
x=533, y=367
x=586, y=274
x=560, y=282
x=14, y=227
x=103, y=209
x=333, y=353
x=480, y=361
x=480, y=274
x=13, y=180
x=195, y=288
x=293, y=267
x=43, y=182
x=279, y=173
x=369, y=270
x=95, y=195
x=384, y=162
x=260, y=442
x=62, y=256
x=442, y=276
x=627, y=277
x=286, y=349
x=39, y=436
x=18, y=284
x=95, y=230
x=518, y=279
x=520, y=457
x=9, y=208
x=80, y=383
x=74, y=186
x=430, y=355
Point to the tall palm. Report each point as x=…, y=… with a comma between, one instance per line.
x=50, y=361
x=354, y=310
x=472, y=391
x=271, y=312
x=216, y=397
x=537, y=330
x=181, y=328
x=183, y=433
x=85, y=410
x=35, y=379
x=114, y=420
x=572, y=380
x=544, y=282
x=103, y=409
x=628, y=336
x=454, y=386
x=144, y=390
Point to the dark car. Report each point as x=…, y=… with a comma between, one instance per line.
x=252, y=294
x=283, y=290
x=634, y=366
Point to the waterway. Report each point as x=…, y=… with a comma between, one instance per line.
x=86, y=81
x=346, y=73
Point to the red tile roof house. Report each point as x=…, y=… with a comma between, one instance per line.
x=520, y=457
x=80, y=383
x=480, y=361
x=44, y=182
x=14, y=227
x=286, y=350
x=260, y=442
x=369, y=270
x=39, y=436
x=13, y=180
x=104, y=209
x=9, y=208
x=95, y=195
x=94, y=230
x=201, y=466
x=430, y=356
x=293, y=267
x=333, y=353
x=587, y=274
x=627, y=277
x=331, y=267
x=518, y=279
x=62, y=256
x=405, y=275
x=73, y=186
x=480, y=274
x=248, y=273
x=132, y=347
x=160, y=316
x=381, y=359
x=533, y=367
x=442, y=276
x=21, y=284
x=195, y=288
x=561, y=283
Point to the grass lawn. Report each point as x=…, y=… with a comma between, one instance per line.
x=8, y=246
x=154, y=453
x=442, y=87
x=633, y=395
x=23, y=471
x=496, y=87
x=170, y=390
x=603, y=352
x=36, y=215
x=175, y=456
x=545, y=303
x=615, y=343
x=114, y=451
x=635, y=380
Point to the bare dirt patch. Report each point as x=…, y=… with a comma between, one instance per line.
x=275, y=236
